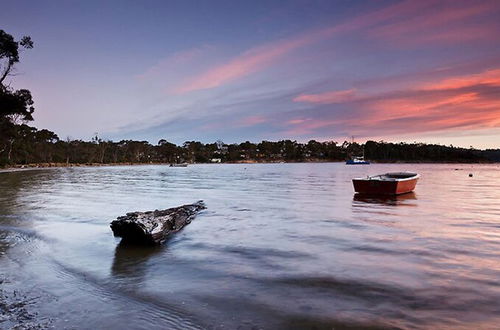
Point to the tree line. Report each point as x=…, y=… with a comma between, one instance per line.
x=32, y=146
x=22, y=144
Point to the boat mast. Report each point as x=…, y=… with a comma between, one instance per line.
x=352, y=141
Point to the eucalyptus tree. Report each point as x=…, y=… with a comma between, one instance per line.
x=16, y=106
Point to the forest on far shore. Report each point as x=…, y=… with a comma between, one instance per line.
x=32, y=146
x=21, y=144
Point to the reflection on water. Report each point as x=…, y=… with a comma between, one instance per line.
x=385, y=200
x=281, y=246
x=13, y=210
x=131, y=261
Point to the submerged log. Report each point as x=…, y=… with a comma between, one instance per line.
x=154, y=227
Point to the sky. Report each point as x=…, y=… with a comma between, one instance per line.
x=426, y=71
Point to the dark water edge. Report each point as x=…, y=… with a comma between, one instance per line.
x=19, y=301
x=26, y=305
x=283, y=246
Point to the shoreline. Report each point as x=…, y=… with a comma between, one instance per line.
x=43, y=166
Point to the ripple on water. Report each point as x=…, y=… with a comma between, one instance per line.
x=281, y=246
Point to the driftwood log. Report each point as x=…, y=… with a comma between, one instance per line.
x=154, y=227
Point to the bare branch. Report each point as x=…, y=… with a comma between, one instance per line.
x=6, y=72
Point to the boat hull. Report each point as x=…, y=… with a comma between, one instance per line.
x=352, y=162
x=381, y=187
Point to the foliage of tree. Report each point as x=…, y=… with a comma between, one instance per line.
x=16, y=106
x=33, y=146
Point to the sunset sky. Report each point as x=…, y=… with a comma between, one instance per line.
x=253, y=70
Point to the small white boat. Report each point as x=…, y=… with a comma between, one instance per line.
x=179, y=165
x=357, y=161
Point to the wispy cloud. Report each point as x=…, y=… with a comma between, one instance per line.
x=451, y=103
x=327, y=97
x=261, y=57
x=360, y=76
x=488, y=77
x=169, y=63
x=310, y=126
x=250, y=121
x=445, y=22
x=249, y=62
x=297, y=121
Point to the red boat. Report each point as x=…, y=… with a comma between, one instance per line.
x=386, y=184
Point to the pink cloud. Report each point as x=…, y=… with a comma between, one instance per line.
x=261, y=57
x=488, y=77
x=175, y=60
x=327, y=97
x=452, y=103
x=309, y=126
x=296, y=121
x=250, y=121
x=249, y=62
x=439, y=21
x=397, y=21
x=412, y=105
x=445, y=35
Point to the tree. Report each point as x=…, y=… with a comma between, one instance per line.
x=167, y=152
x=16, y=106
x=9, y=52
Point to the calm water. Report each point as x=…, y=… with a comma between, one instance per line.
x=280, y=246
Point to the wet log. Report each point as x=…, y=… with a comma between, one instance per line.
x=154, y=227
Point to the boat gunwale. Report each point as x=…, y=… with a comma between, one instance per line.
x=382, y=177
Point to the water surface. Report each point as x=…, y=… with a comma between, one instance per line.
x=280, y=246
